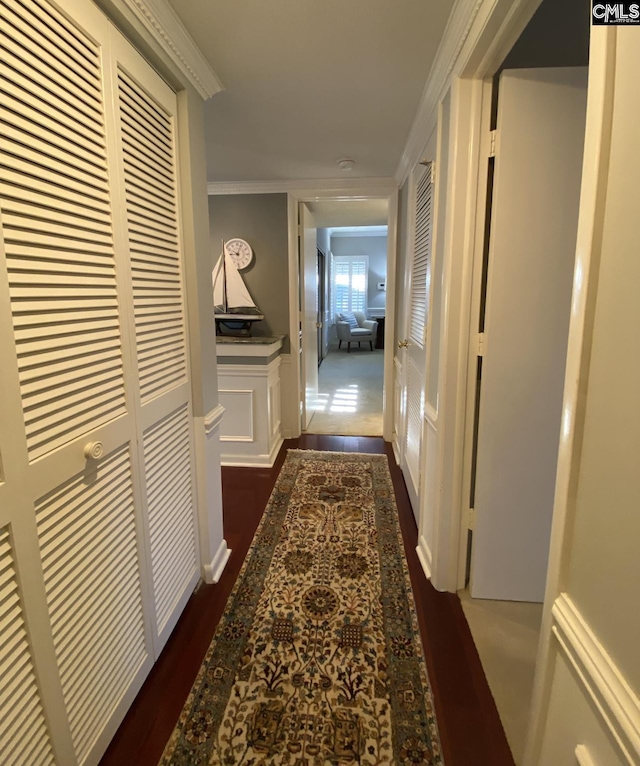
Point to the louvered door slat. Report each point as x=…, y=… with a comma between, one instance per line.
x=147, y=217
x=78, y=223
x=90, y=631
x=43, y=83
x=55, y=28
x=145, y=167
x=58, y=237
x=57, y=190
x=421, y=262
x=31, y=154
x=33, y=29
x=158, y=299
x=23, y=715
x=170, y=510
x=47, y=201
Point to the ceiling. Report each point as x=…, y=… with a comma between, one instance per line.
x=312, y=81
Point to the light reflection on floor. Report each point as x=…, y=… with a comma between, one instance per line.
x=343, y=400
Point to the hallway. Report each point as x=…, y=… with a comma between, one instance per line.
x=469, y=725
x=350, y=393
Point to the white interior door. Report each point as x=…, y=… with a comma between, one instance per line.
x=309, y=313
x=415, y=348
x=540, y=130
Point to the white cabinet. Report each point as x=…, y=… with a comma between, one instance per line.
x=249, y=391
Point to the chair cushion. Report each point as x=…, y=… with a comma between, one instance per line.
x=349, y=317
x=360, y=332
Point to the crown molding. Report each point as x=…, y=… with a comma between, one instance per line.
x=386, y=184
x=164, y=25
x=455, y=35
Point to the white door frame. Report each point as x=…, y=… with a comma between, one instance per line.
x=296, y=384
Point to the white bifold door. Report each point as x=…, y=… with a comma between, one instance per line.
x=538, y=165
x=98, y=537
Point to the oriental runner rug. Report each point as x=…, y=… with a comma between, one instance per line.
x=317, y=659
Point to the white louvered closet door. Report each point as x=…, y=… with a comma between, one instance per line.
x=68, y=376
x=97, y=531
x=146, y=131
x=415, y=358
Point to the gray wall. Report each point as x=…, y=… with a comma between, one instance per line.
x=260, y=219
x=376, y=249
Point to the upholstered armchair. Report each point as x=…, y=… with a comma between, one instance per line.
x=354, y=326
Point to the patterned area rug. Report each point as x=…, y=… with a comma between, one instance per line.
x=317, y=659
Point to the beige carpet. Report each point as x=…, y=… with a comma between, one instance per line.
x=506, y=636
x=350, y=393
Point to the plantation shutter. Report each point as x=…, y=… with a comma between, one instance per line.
x=98, y=539
x=421, y=263
x=350, y=283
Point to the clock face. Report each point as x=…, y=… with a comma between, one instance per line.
x=240, y=252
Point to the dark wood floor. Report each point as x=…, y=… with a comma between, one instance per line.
x=470, y=728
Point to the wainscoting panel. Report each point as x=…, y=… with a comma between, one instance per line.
x=237, y=426
x=593, y=715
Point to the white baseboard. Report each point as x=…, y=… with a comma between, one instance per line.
x=213, y=571
x=424, y=555
x=254, y=461
x=616, y=702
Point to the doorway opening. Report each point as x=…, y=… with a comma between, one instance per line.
x=346, y=295
x=522, y=296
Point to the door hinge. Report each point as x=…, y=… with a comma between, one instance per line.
x=471, y=519
x=492, y=145
x=481, y=344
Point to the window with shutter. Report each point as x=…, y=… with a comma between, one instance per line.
x=421, y=263
x=350, y=274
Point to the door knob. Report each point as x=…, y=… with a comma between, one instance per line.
x=93, y=450
x=403, y=344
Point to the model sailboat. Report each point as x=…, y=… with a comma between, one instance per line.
x=234, y=307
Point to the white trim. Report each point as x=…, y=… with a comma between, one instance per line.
x=583, y=757
x=248, y=370
x=455, y=35
x=213, y=570
x=430, y=414
x=244, y=350
x=425, y=557
x=616, y=702
x=212, y=419
x=254, y=461
x=335, y=185
x=164, y=25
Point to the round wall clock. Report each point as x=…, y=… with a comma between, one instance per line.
x=240, y=252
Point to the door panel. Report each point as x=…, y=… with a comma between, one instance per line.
x=415, y=355
x=533, y=233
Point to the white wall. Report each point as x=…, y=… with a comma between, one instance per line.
x=376, y=249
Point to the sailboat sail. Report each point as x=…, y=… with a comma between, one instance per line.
x=230, y=294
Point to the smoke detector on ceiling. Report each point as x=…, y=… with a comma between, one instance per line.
x=346, y=164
